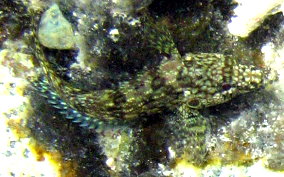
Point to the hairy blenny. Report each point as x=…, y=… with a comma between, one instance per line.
x=196, y=80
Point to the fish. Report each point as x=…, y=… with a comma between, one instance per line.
x=197, y=80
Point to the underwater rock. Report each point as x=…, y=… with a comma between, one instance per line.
x=167, y=70
x=129, y=6
x=13, y=25
x=150, y=72
x=55, y=31
x=119, y=146
x=246, y=20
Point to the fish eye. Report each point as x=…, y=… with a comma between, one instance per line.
x=226, y=86
x=194, y=103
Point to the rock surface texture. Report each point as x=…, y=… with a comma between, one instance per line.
x=146, y=88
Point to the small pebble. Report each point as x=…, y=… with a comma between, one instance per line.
x=55, y=31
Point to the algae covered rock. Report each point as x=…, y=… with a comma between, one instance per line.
x=14, y=19
x=55, y=31
x=151, y=78
x=148, y=64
